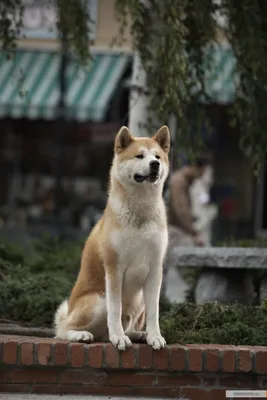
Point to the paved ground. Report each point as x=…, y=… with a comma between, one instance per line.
x=6, y=396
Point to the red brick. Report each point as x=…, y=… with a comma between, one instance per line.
x=145, y=356
x=50, y=389
x=195, y=394
x=77, y=354
x=229, y=382
x=155, y=392
x=4, y=375
x=229, y=361
x=195, y=358
x=60, y=353
x=161, y=359
x=212, y=360
x=79, y=389
x=95, y=355
x=30, y=375
x=215, y=394
x=83, y=376
x=261, y=361
x=208, y=382
x=130, y=379
x=248, y=382
x=244, y=360
x=128, y=357
x=43, y=353
x=13, y=388
x=106, y=391
x=178, y=358
x=112, y=356
x=262, y=380
x=57, y=389
x=236, y=381
x=10, y=352
x=174, y=380
x=26, y=353
x=202, y=394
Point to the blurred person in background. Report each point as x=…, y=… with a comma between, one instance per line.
x=180, y=212
x=204, y=211
x=188, y=222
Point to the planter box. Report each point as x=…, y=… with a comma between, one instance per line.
x=194, y=372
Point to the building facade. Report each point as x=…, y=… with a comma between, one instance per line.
x=97, y=104
x=31, y=133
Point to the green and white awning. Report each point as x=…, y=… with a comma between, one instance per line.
x=221, y=78
x=29, y=85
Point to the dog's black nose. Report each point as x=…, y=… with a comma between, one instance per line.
x=154, y=164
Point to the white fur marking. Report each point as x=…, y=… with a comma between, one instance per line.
x=77, y=336
x=120, y=341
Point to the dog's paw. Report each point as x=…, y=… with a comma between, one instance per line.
x=156, y=341
x=80, y=336
x=121, y=342
x=138, y=336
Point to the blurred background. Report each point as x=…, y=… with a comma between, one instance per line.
x=54, y=171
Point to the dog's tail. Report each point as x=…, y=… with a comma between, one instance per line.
x=60, y=320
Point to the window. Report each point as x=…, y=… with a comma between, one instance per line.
x=40, y=17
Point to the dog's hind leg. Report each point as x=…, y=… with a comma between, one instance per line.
x=87, y=320
x=138, y=334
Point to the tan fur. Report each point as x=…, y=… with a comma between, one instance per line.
x=121, y=267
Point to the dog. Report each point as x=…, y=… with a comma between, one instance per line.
x=118, y=288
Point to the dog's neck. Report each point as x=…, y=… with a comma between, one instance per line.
x=136, y=205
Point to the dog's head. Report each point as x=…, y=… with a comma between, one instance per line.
x=141, y=161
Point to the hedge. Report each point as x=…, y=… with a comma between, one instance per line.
x=32, y=287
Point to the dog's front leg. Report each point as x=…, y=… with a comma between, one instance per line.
x=114, y=310
x=151, y=296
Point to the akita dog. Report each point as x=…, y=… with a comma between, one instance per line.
x=120, y=278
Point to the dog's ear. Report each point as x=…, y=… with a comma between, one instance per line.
x=123, y=139
x=163, y=138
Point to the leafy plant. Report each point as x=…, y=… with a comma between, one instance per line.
x=31, y=290
x=215, y=323
x=171, y=38
x=73, y=21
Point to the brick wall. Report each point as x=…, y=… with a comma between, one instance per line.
x=196, y=372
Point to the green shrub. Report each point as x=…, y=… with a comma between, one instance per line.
x=33, y=299
x=31, y=290
x=215, y=323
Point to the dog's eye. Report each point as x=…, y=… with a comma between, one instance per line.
x=158, y=157
x=139, y=156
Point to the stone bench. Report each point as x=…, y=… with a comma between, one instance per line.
x=226, y=272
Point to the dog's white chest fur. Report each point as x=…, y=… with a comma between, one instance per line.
x=139, y=249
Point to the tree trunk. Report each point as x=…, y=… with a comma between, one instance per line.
x=139, y=100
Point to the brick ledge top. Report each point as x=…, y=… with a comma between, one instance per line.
x=47, y=352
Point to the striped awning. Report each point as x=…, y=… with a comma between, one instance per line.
x=221, y=79
x=29, y=85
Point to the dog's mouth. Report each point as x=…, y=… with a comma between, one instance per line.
x=152, y=177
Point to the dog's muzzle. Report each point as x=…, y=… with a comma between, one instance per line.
x=153, y=174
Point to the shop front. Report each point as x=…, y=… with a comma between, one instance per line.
x=96, y=105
